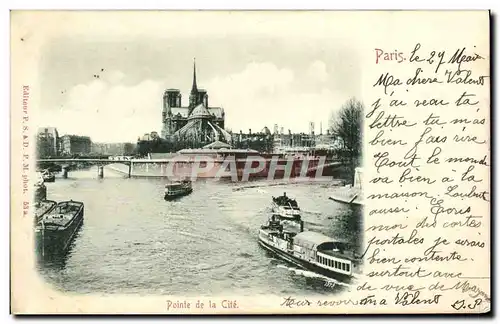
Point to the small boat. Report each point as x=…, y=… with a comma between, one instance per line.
x=178, y=189
x=57, y=228
x=310, y=250
x=48, y=176
x=285, y=207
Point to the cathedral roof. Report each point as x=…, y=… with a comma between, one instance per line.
x=217, y=111
x=194, y=124
x=183, y=111
x=200, y=111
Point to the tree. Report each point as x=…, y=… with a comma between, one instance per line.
x=347, y=125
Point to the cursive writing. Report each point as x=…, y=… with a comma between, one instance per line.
x=428, y=175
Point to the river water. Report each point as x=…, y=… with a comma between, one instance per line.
x=133, y=241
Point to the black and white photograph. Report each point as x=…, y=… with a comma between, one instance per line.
x=202, y=166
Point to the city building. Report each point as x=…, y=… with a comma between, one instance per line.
x=74, y=144
x=298, y=142
x=261, y=141
x=47, y=142
x=195, y=124
x=328, y=141
x=113, y=149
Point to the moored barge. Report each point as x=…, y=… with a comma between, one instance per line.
x=56, y=229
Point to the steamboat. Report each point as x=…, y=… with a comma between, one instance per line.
x=286, y=207
x=178, y=189
x=56, y=229
x=309, y=250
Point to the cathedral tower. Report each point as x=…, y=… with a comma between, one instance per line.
x=171, y=99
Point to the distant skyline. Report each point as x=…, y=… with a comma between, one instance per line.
x=110, y=87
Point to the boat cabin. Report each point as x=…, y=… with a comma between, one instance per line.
x=290, y=207
x=328, y=252
x=177, y=187
x=285, y=201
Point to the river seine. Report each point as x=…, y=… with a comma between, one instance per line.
x=134, y=242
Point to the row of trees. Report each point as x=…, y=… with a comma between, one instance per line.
x=347, y=125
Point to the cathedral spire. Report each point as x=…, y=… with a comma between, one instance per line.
x=194, y=88
x=193, y=96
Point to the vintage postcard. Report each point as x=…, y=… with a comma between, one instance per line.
x=250, y=162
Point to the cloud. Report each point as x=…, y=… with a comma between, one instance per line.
x=256, y=79
x=114, y=77
x=317, y=70
x=263, y=95
x=107, y=110
x=260, y=94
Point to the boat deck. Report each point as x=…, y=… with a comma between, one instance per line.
x=43, y=207
x=63, y=213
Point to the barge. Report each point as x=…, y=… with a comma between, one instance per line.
x=56, y=229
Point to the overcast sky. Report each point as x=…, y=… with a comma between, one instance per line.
x=259, y=78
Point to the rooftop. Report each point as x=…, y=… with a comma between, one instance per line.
x=200, y=111
x=313, y=239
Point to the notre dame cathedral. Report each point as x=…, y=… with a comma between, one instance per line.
x=196, y=123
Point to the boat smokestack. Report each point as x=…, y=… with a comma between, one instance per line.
x=301, y=226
